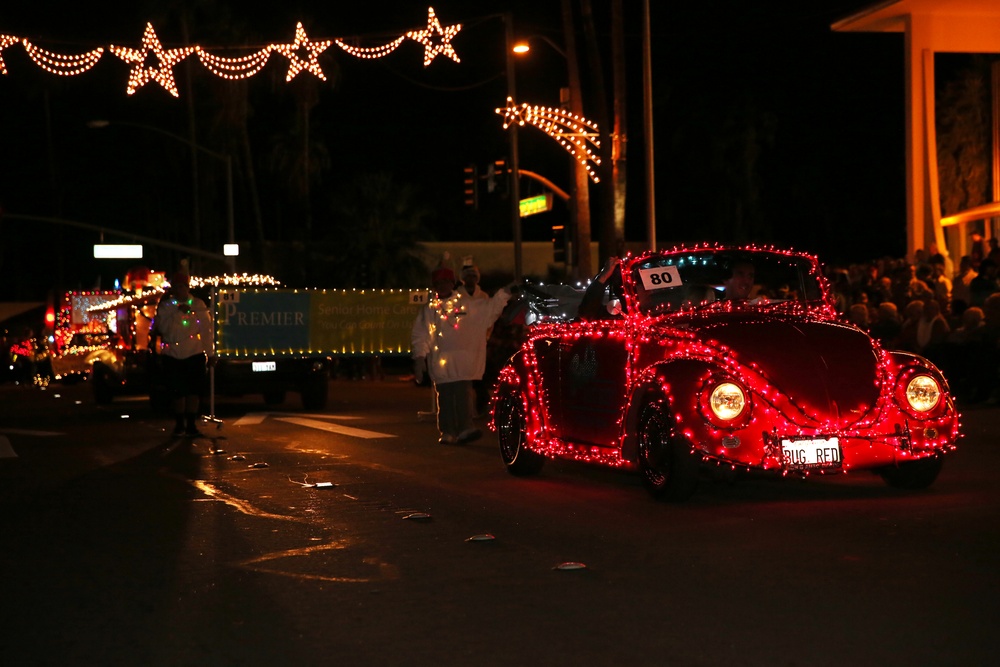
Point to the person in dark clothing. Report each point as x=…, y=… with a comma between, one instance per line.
x=592, y=306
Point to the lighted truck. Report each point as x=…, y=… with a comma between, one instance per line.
x=268, y=340
x=80, y=338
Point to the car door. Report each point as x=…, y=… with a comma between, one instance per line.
x=547, y=351
x=592, y=382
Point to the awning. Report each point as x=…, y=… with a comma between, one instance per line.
x=11, y=309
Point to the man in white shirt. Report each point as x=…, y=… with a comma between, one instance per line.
x=185, y=326
x=449, y=338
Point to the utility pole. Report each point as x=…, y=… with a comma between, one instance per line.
x=580, y=203
x=619, y=136
x=647, y=96
x=515, y=189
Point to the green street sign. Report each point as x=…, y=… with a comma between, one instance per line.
x=537, y=204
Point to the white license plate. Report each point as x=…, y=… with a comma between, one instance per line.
x=811, y=452
x=263, y=366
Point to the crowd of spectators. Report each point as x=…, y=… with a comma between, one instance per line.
x=950, y=317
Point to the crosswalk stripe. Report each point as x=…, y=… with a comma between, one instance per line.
x=6, y=451
x=253, y=418
x=335, y=428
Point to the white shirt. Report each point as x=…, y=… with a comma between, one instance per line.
x=186, y=327
x=451, y=334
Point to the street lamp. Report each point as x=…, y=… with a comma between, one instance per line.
x=226, y=158
x=524, y=46
x=515, y=188
x=579, y=259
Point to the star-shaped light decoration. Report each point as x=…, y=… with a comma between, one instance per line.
x=512, y=113
x=5, y=41
x=141, y=74
x=436, y=39
x=291, y=51
x=579, y=136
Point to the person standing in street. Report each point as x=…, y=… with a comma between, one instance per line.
x=470, y=281
x=470, y=285
x=449, y=340
x=185, y=326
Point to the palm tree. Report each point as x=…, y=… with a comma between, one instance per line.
x=297, y=156
x=376, y=232
x=963, y=147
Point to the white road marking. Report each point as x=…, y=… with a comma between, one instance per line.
x=252, y=418
x=335, y=428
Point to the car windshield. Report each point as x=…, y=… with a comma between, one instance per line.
x=674, y=281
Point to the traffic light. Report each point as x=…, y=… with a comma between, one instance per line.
x=496, y=177
x=559, y=244
x=471, y=174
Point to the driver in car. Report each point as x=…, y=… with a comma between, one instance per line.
x=740, y=281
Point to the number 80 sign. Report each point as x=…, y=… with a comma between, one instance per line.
x=660, y=277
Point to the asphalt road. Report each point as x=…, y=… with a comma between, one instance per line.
x=121, y=547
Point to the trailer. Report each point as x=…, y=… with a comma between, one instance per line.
x=269, y=340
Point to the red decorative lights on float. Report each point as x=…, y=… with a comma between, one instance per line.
x=771, y=414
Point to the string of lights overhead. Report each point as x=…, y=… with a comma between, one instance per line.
x=302, y=54
x=575, y=134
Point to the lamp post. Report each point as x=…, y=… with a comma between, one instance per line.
x=579, y=259
x=524, y=47
x=226, y=158
x=515, y=188
x=647, y=94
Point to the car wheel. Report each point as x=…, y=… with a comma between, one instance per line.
x=315, y=396
x=274, y=397
x=511, y=425
x=669, y=470
x=912, y=475
x=103, y=392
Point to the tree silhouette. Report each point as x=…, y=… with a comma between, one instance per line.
x=375, y=236
x=963, y=139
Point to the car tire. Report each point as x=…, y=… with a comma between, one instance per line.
x=511, y=425
x=316, y=394
x=274, y=397
x=668, y=468
x=913, y=475
x=103, y=391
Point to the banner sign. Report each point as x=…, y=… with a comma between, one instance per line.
x=276, y=322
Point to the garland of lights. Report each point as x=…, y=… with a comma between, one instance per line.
x=142, y=296
x=574, y=133
x=435, y=39
x=447, y=310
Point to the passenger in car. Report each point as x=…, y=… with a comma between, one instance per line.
x=698, y=295
x=593, y=307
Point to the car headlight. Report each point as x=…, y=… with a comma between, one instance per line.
x=923, y=393
x=727, y=401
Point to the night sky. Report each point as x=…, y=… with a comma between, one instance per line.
x=768, y=126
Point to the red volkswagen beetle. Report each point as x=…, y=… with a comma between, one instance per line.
x=718, y=356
